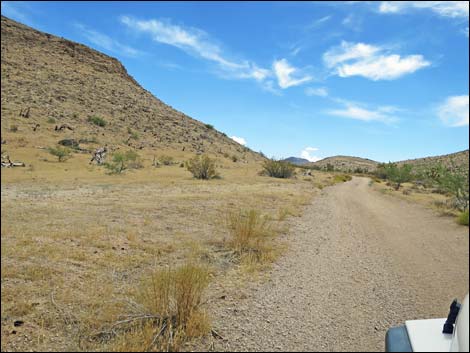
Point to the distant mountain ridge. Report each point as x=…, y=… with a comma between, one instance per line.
x=453, y=161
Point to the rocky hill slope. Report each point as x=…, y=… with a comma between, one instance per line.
x=458, y=161
x=296, y=160
x=345, y=164
x=50, y=82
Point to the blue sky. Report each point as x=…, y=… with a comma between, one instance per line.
x=381, y=80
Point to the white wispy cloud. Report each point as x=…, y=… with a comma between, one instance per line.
x=287, y=75
x=320, y=91
x=352, y=22
x=443, y=8
x=17, y=10
x=358, y=111
x=106, y=42
x=240, y=140
x=307, y=154
x=373, y=62
x=318, y=22
x=454, y=111
x=198, y=43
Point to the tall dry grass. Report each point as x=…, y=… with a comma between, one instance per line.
x=168, y=312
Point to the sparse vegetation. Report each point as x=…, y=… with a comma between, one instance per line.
x=51, y=121
x=463, y=218
x=202, y=167
x=14, y=128
x=121, y=161
x=133, y=134
x=166, y=160
x=455, y=184
x=278, y=169
x=234, y=159
x=209, y=126
x=62, y=153
x=96, y=120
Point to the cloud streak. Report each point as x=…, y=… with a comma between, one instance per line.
x=320, y=91
x=454, y=111
x=357, y=111
x=106, y=42
x=369, y=61
x=453, y=9
x=198, y=43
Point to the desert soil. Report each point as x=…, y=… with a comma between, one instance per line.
x=358, y=263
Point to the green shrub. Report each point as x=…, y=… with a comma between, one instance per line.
x=14, y=128
x=98, y=121
x=51, y=120
x=209, y=126
x=341, y=178
x=121, y=161
x=234, y=158
x=202, y=167
x=62, y=153
x=395, y=174
x=278, y=169
x=463, y=218
x=455, y=184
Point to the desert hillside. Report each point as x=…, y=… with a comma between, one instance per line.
x=49, y=82
x=458, y=161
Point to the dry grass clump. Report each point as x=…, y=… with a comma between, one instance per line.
x=166, y=160
x=248, y=230
x=251, y=239
x=169, y=305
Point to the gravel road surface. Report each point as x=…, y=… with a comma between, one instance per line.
x=358, y=263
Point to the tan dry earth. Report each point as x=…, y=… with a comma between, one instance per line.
x=358, y=263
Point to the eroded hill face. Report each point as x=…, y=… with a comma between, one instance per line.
x=49, y=81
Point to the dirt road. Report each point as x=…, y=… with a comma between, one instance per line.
x=358, y=262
